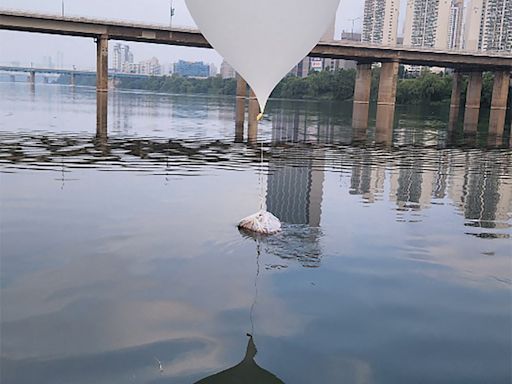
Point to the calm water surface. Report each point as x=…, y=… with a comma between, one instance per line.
x=121, y=261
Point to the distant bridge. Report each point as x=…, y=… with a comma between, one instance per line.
x=72, y=72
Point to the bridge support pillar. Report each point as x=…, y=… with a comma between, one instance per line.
x=72, y=79
x=386, y=102
x=455, y=101
x=102, y=63
x=499, y=103
x=254, y=110
x=32, y=78
x=241, y=96
x=362, y=96
x=473, y=97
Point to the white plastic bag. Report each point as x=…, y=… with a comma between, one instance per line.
x=263, y=39
x=261, y=222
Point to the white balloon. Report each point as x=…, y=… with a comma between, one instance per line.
x=263, y=39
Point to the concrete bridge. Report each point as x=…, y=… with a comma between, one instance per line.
x=472, y=64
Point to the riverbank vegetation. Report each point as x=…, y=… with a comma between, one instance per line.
x=326, y=85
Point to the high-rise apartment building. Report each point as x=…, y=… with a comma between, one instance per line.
x=456, y=22
x=427, y=23
x=380, y=21
x=121, y=57
x=489, y=25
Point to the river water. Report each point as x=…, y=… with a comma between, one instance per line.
x=121, y=261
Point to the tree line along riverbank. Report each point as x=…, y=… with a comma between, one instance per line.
x=326, y=85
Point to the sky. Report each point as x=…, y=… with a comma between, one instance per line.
x=26, y=48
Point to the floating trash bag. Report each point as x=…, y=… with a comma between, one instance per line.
x=263, y=39
x=261, y=222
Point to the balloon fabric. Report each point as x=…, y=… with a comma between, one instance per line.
x=263, y=39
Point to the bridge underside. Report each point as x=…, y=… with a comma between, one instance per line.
x=113, y=30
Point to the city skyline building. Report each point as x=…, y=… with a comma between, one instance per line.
x=308, y=64
x=196, y=69
x=380, y=22
x=489, y=26
x=456, y=23
x=427, y=23
x=121, y=57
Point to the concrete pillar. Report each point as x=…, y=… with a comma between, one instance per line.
x=241, y=96
x=362, y=96
x=101, y=114
x=32, y=77
x=102, y=63
x=473, y=97
x=254, y=110
x=455, y=101
x=386, y=102
x=499, y=102
x=72, y=79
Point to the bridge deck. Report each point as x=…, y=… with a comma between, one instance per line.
x=117, y=30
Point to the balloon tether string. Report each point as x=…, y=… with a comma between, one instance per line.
x=262, y=197
x=258, y=253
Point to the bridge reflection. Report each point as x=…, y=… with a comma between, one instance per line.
x=301, y=149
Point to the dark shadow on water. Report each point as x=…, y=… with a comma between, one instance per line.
x=245, y=372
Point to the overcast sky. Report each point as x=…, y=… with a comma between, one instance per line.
x=29, y=48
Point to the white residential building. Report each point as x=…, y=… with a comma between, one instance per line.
x=380, y=21
x=456, y=22
x=489, y=26
x=427, y=23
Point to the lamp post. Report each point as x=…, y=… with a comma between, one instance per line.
x=352, y=30
x=62, y=7
x=171, y=13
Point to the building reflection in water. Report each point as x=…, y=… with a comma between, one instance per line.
x=247, y=371
x=367, y=179
x=295, y=186
x=475, y=181
x=479, y=190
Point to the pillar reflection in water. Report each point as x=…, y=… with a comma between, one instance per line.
x=241, y=96
x=384, y=125
x=254, y=110
x=386, y=102
x=362, y=91
x=101, y=114
x=239, y=120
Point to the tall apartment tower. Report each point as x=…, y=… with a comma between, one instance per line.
x=456, y=22
x=121, y=56
x=380, y=21
x=427, y=23
x=489, y=26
